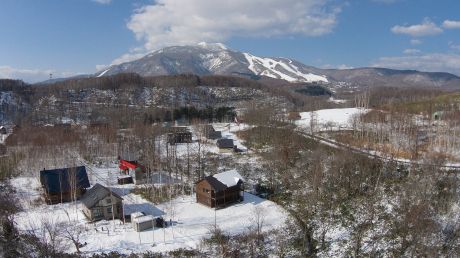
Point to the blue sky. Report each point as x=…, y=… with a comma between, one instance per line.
x=68, y=37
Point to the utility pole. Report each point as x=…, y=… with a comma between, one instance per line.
x=153, y=231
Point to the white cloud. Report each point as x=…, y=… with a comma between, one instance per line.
x=344, y=67
x=181, y=22
x=416, y=41
x=426, y=28
x=411, y=51
x=454, y=46
x=31, y=75
x=434, y=62
x=102, y=1
x=448, y=24
x=340, y=67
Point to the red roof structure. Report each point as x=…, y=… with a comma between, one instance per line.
x=124, y=164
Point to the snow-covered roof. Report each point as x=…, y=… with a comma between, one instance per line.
x=144, y=219
x=229, y=178
x=136, y=215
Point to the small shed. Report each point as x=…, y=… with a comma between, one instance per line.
x=226, y=145
x=135, y=215
x=60, y=185
x=123, y=180
x=221, y=189
x=142, y=223
x=100, y=203
x=211, y=133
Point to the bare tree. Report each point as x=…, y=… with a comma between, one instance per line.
x=258, y=219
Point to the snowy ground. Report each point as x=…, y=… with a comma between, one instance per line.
x=191, y=221
x=330, y=119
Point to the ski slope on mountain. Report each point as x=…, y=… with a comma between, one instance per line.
x=280, y=69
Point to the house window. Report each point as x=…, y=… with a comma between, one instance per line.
x=109, y=210
x=97, y=212
x=109, y=200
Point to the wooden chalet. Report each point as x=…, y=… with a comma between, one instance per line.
x=100, y=203
x=62, y=185
x=220, y=190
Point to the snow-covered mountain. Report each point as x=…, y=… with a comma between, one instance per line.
x=215, y=59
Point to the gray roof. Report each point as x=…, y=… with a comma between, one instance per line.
x=95, y=194
x=225, y=143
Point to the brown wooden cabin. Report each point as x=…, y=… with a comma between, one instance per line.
x=220, y=190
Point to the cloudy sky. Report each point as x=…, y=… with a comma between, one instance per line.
x=81, y=36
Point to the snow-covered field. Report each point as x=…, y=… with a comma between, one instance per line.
x=330, y=119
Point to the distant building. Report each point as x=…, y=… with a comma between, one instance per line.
x=177, y=134
x=226, y=145
x=220, y=189
x=61, y=184
x=211, y=133
x=179, y=137
x=101, y=203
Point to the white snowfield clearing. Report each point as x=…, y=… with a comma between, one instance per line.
x=330, y=119
x=191, y=221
